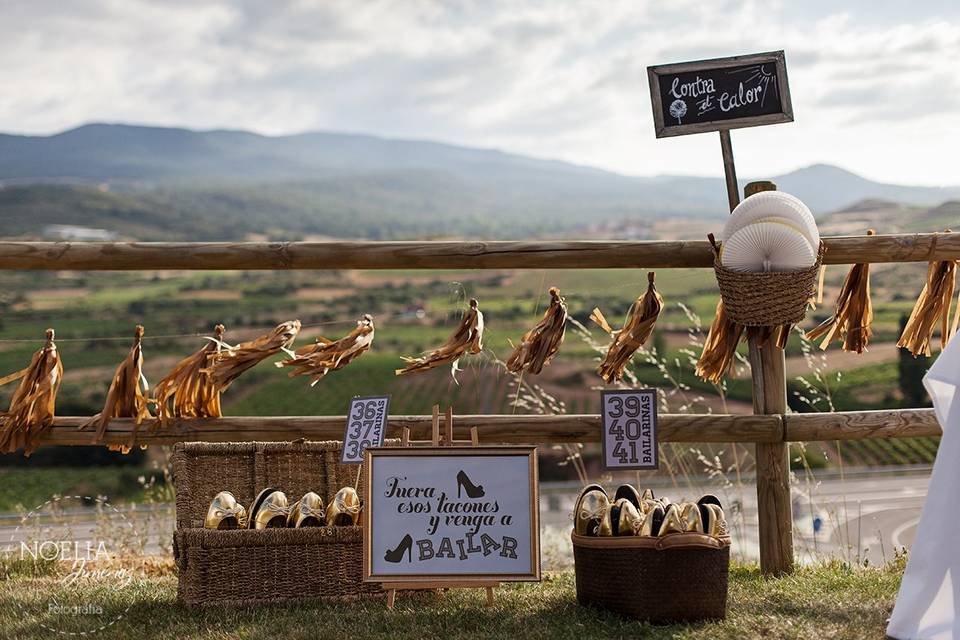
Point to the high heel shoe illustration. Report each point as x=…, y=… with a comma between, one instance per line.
x=405, y=546
x=463, y=482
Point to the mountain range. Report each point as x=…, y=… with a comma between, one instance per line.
x=168, y=183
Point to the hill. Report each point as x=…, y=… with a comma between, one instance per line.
x=152, y=182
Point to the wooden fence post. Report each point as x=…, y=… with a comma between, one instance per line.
x=772, y=458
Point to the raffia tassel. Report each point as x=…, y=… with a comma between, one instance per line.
x=635, y=332
x=126, y=398
x=468, y=338
x=932, y=305
x=720, y=348
x=853, y=313
x=317, y=360
x=188, y=390
x=540, y=344
x=32, y=406
x=230, y=362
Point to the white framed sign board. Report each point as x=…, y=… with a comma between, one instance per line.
x=629, y=422
x=366, y=427
x=464, y=514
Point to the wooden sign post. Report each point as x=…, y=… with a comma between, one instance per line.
x=719, y=95
x=448, y=515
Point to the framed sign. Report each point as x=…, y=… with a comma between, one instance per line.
x=464, y=514
x=366, y=427
x=629, y=422
x=723, y=93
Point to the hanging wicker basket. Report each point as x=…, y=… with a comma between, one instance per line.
x=767, y=299
x=680, y=577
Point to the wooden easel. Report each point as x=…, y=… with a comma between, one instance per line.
x=439, y=439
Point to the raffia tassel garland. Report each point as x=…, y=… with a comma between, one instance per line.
x=641, y=319
x=231, y=361
x=32, y=405
x=126, y=398
x=317, y=360
x=932, y=305
x=538, y=346
x=720, y=348
x=853, y=314
x=468, y=338
x=188, y=390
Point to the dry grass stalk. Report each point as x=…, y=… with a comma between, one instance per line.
x=720, y=348
x=32, y=406
x=468, y=338
x=638, y=328
x=231, y=361
x=188, y=390
x=126, y=398
x=853, y=314
x=932, y=305
x=538, y=345
x=319, y=359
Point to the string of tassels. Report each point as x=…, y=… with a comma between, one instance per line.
x=641, y=318
x=932, y=305
x=853, y=314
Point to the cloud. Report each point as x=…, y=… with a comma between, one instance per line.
x=564, y=80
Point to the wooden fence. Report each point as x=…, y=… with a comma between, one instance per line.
x=771, y=428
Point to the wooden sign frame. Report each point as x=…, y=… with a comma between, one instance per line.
x=451, y=579
x=775, y=58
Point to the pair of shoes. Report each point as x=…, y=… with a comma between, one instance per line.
x=704, y=516
x=629, y=513
x=345, y=509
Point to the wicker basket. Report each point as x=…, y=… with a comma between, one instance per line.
x=767, y=299
x=274, y=565
x=681, y=577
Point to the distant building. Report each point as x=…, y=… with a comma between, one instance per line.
x=71, y=232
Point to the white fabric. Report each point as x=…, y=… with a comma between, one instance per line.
x=928, y=606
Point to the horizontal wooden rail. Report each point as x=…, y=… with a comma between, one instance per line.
x=857, y=425
x=525, y=429
x=138, y=256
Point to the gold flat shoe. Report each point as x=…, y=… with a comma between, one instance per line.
x=344, y=510
x=270, y=510
x=625, y=518
x=591, y=514
x=307, y=512
x=225, y=513
x=682, y=518
x=714, y=522
x=652, y=522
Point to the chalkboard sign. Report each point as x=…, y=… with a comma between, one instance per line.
x=464, y=514
x=724, y=93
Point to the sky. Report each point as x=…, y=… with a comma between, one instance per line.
x=875, y=84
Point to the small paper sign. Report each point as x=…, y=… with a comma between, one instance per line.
x=366, y=427
x=629, y=420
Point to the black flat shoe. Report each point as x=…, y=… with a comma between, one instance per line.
x=628, y=492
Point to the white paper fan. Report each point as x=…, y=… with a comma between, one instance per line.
x=767, y=246
x=773, y=204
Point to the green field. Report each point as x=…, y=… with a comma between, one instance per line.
x=415, y=311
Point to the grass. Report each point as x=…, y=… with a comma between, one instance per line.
x=25, y=488
x=827, y=601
